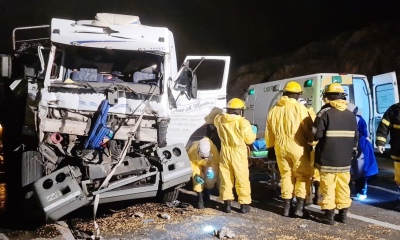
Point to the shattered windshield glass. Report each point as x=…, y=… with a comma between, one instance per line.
x=108, y=66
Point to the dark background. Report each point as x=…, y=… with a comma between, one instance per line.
x=246, y=30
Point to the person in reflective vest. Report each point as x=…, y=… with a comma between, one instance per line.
x=390, y=124
x=335, y=129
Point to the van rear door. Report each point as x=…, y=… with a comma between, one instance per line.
x=385, y=93
x=251, y=97
x=199, y=90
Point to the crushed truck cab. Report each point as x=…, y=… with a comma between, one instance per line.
x=107, y=113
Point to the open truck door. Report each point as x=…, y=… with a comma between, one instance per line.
x=198, y=91
x=385, y=93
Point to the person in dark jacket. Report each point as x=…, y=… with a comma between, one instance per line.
x=364, y=165
x=335, y=129
x=390, y=123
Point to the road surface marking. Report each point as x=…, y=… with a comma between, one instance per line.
x=369, y=220
x=384, y=189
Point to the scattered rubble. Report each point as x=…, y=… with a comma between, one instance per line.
x=303, y=226
x=148, y=220
x=165, y=216
x=224, y=232
x=138, y=214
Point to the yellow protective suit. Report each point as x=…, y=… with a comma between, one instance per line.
x=199, y=166
x=235, y=132
x=289, y=131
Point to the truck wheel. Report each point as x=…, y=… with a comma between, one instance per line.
x=168, y=195
x=31, y=171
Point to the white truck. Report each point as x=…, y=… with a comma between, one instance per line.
x=105, y=111
x=372, y=103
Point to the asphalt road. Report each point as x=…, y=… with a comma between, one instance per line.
x=373, y=218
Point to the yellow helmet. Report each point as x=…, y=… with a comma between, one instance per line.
x=293, y=87
x=335, y=88
x=235, y=103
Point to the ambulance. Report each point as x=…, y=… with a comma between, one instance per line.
x=372, y=101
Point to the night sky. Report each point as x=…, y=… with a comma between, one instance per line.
x=246, y=30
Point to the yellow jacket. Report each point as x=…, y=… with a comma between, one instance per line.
x=289, y=120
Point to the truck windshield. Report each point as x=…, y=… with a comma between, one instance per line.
x=104, y=65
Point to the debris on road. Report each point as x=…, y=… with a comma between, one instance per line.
x=148, y=220
x=224, y=232
x=165, y=216
x=138, y=214
x=177, y=204
x=124, y=220
x=303, y=226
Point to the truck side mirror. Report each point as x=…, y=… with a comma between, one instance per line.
x=5, y=65
x=193, y=87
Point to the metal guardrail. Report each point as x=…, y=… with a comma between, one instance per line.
x=27, y=40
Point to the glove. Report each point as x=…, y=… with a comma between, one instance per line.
x=199, y=179
x=271, y=153
x=210, y=173
x=381, y=149
x=254, y=128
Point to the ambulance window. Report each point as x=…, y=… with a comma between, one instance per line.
x=346, y=90
x=384, y=97
x=361, y=98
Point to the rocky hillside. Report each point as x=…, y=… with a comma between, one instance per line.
x=370, y=51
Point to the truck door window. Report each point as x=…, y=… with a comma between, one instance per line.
x=209, y=73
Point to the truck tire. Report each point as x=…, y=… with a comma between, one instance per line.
x=168, y=195
x=31, y=170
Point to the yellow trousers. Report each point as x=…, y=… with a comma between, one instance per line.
x=236, y=172
x=335, y=190
x=397, y=173
x=295, y=173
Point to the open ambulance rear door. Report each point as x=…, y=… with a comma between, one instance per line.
x=385, y=94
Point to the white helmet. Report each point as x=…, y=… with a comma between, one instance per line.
x=204, y=148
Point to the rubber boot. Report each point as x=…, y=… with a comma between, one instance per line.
x=200, y=203
x=206, y=197
x=298, y=211
x=244, y=208
x=327, y=218
x=342, y=216
x=287, y=207
x=316, y=193
x=228, y=206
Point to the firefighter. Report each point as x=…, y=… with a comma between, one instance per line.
x=390, y=123
x=335, y=129
x=204, y=159
x=288, y=131
x=235, y=132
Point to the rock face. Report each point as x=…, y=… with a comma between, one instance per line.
x=370, y=51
